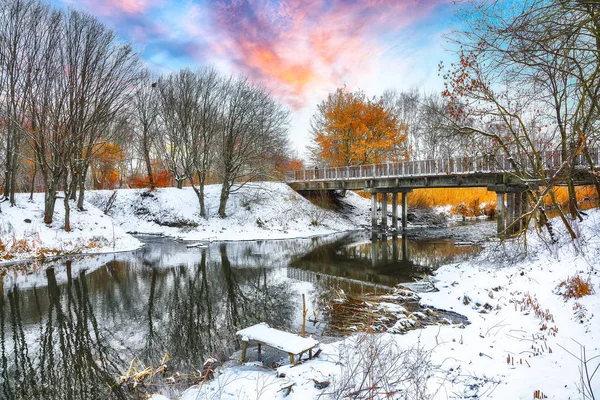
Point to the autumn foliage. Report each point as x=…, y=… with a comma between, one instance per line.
x=105, y=164
x=351, y=129
x=162, y=178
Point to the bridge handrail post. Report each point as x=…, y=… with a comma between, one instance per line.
x=360, y=174
x=304, y=175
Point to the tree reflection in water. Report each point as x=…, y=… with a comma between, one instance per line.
x=70, y=330
x=72, y=340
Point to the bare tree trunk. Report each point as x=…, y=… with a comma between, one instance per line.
x=49, y=204
x=82, y=178
x=33, y=180
x=146, y=151
x=225, y=190
x=13, y=179
x=66, y=203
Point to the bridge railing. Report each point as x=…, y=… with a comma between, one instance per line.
x=483, y=164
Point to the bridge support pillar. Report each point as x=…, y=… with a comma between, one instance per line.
x=510, y=211
x=395, y=211
x=500, y=213
x=524, y=208
x=373, y=211
x=404, y=209
x=517, y=216
x=384, y=211
x=509, y=216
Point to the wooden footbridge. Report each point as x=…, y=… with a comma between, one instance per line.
x=496, y=173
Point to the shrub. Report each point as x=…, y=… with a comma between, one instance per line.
x=575, y=287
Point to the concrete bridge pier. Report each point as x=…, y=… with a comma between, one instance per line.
x=500, y=212
x=405, y=208
x=384, y=204
x=508, y=215
x=374, y=211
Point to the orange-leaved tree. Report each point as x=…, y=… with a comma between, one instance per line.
x=105, y=165
x=351, y=129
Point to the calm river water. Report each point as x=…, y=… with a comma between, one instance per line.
x=69, y=329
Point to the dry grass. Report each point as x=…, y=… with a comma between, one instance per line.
x=33, y=248
x=455, y=197
x=531, y=303
x=587, y=196
x=575, y=287
x=474, y=202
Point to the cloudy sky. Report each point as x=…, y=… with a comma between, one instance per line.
x=300, y=50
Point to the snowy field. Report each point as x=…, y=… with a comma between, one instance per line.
x=25, y=236
x=525, y=340
x=265, y=210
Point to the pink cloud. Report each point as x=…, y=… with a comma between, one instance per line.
x=295, y=46
x=112, y=7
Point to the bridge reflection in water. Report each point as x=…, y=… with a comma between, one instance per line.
x=358, y=265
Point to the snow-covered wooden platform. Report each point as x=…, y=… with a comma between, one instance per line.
x=263, y=334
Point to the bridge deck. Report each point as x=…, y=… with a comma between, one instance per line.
x=478, y=171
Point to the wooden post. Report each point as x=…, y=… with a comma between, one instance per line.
x=404, y=209
x=292, y=361
x=384, y=211
x=500, y=211
x=395, y=211
x=259, y=352
x=373, y=211
x=244, y=348
x=304, y=312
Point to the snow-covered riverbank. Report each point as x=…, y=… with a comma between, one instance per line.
x=24, y=235
x=525, y=339
x=262, y=210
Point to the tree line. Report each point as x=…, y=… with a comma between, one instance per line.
x=71, y=91
x=350, y=128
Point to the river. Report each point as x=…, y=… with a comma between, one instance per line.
x=71, y=327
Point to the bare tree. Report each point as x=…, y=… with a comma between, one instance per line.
x=191, y=103
x=253, y=126
x=405, y=106
x=78, y=78
x=144, y=120
x=18, y=42
x=101, y=77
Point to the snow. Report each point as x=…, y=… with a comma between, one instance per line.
x=262, y=210
x=524, y=337
x=25, y=235
x=285, y=341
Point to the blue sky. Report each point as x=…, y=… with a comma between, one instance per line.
x=300, y=50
